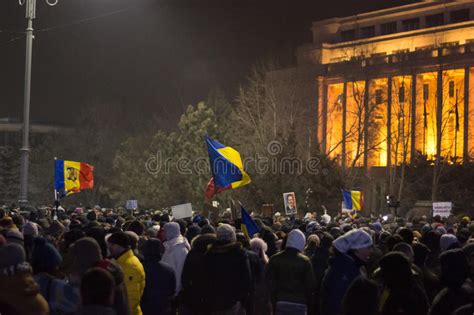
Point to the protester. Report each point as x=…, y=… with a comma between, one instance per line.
x=351, y=252
x=290, y=277
x=20, y=293
x=97, y=292
x=160, y=283
x=176, y=250
x=227, y=272
x=134, y=275
x=85, y=253
x=62, y=297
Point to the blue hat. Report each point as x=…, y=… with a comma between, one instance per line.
x=44, y=257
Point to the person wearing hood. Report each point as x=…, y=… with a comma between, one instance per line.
x=290, y=277
x=20, y=293
x=351, y=253
x=160, y=284
x=227, y=273
x=176, y=250
x=119, y=245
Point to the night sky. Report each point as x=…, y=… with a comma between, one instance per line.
x=155, y=56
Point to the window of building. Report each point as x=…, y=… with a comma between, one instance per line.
x=435, y=20
x=348, y=35
x=411, y=24
x=460, y=16
x=368, y=31
x=388, y=28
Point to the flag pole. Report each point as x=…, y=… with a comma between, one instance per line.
x=56, y=201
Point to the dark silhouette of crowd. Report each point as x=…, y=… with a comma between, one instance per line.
x=115, y=261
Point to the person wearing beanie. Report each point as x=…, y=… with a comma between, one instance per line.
x=85, y=253
x=454, y=273
x=401, y=293
x=192, y=279
x=311, y=244
x=290, y=277
x=207, y=229
x=192, y=232
x=351, y=253
x=448, y=241
x=134, y=274
x=19, y=292
x=15, y=236
x=176, y=250
x=430, y=279
x=227, y=274
x=46, y=260
x=160, y=283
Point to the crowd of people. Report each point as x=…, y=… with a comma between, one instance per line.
x=110, y=261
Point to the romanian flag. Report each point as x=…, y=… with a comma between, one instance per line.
x=353, y=199
x=248, y=225
x=72, y=177
x=226, y=167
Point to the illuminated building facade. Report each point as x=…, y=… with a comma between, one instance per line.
x=394, y=83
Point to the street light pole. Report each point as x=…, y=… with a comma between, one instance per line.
x=25, y=148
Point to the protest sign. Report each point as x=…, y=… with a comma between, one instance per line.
x=290, y=203
x=443, y=209
x=131, y=204
x=182, y=211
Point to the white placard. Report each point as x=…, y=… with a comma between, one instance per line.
x=443, y=209
x=131, y=204
x=182, y=211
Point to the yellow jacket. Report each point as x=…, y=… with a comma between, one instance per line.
x=134, y=278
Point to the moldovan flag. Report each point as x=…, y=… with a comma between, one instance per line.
x=72, y=177
x=226, y=167
x=353, y=199
x=248, y=225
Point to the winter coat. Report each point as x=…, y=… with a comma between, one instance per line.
x=343, y=269
x=160, y=286
x=290, y=277
x=20, y=296
x=450, y=299
x=120, y=306
x=228, y=277
x=61, y=296
x=320, y=261
x=408, y=301
x=134, y=278
x=175, y=254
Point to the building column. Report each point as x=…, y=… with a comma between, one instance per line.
x=366, y=126
x=413, y=119
x=324, y=114
x=344, y=125
x=439, y=114
x=389, y=123
x=466, y=115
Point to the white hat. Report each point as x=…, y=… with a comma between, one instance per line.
x=296, y=239
x=354, y=239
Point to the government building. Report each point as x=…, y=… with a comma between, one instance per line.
x=393, y=85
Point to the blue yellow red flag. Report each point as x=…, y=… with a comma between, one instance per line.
x=72, y=177
x=226, y=167
x=248, y=225
x=353, y=199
